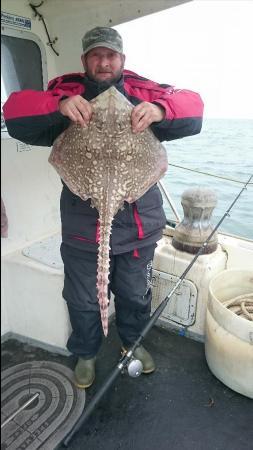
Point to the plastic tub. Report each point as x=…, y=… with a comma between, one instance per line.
x=229, y=337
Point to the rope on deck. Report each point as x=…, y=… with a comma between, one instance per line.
x=242, y=305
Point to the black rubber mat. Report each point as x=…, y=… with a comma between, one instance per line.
x=56, y=405
x=181, y=406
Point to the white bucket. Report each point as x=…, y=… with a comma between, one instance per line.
x=229, y=337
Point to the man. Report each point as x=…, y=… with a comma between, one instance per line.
x=38, y=118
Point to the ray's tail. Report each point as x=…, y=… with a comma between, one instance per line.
x=103, y=267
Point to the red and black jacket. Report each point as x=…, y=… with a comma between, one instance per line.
x=33, y=117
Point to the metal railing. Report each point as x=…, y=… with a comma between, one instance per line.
x=168, y=197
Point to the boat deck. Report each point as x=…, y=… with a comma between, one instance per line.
x=181, y=406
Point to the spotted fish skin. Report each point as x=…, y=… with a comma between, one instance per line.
x=109, y=164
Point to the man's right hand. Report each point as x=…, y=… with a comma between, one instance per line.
x=77, y=109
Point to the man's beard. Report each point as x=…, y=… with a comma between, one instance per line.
x=106, y=83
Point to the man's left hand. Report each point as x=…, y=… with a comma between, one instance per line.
x=144, y=114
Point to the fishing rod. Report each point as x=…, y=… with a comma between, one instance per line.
x=134, y=366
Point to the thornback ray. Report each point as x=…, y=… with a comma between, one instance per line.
x=109, y=164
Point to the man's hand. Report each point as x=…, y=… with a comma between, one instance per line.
x=77, y=109
x=144, y=114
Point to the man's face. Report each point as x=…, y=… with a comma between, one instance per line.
x=103, y=65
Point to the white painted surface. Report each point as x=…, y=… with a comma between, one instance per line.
x=168, y=259
x=5, y=327
x=30, y=186
x=31, y=191
x=46, y=251
x=182, y=306
x=239, y=251
x=35, y=306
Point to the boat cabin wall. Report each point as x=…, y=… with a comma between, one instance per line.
x=30, y=188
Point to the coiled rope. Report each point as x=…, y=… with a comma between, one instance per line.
x=242, y=305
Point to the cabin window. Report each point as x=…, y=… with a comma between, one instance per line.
x=23, y=65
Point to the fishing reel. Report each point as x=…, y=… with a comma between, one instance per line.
x=134, y=366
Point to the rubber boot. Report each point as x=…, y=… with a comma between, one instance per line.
x=85, y=372
x=144, y=356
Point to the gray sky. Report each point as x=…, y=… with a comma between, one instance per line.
x=205, y=45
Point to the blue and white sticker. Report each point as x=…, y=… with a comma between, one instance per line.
x=16, y=21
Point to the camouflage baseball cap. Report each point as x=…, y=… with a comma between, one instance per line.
x=102, y=37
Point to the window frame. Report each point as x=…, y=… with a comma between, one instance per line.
x=26, y=35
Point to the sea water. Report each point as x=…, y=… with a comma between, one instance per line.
x=224, y=148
